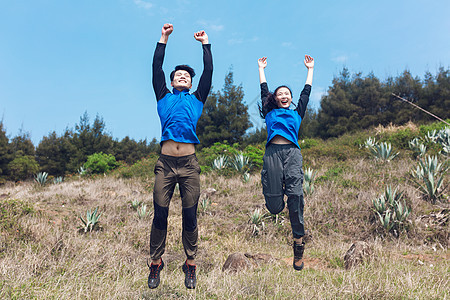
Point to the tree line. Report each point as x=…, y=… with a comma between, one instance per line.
x=359, y=102
x=352, y=102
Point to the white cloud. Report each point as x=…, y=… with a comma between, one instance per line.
x=208, y=25
x=235, y=41
x=340, y=59
x=143, y=4
x=286, y=44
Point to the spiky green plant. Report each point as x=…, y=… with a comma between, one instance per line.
x=135, y=204
x=142, y=211
x=443, y=138
x=245, y=177
x=58, y=180
x=431, y=136
x=91, y=220
x=41, y=178
x=220, y=163
x=256, y=217
x=240, y=162
x=391, y=211
x=369, y=143
x=82, y=171
x=429, y=176
x=256, y=220
x=418, y=148
x=205, y=203
x=383, y=151
x=308, y=181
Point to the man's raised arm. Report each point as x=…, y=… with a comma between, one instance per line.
x=158, y=80
x=204, y=84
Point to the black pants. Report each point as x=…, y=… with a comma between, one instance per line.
x=281, y=175
x=169, y=171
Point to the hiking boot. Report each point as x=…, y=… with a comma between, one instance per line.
x=190, y=279
x=153, y=278
x=298, y=255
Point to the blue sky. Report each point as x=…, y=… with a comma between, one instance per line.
x=59, y=59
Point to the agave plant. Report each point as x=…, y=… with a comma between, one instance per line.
x=431, y=136
x=308, y=182
x=383, y=151
x=142, y=211
x=256, y=220
x=221, y=162
x=240, y=162
x=82, y=171
x=429, y=177
x=369, y=143
x=58, y=180
x=391, y=211
x=205, y=203
x=91, y=220
x=418, y=148
x=41, y=178
x=256, y=217
x=246, y=177
x=443, y=138
x=135, y=204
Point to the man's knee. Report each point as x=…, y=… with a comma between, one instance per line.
x=160, y=216
x=190, y=218
x=275, y=204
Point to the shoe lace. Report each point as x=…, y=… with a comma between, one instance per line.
x=154, y=270
x=191, y=272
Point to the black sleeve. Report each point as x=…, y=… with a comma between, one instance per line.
x=204, y=85
x=264, y=96
x=158, y=80
x=303, y=101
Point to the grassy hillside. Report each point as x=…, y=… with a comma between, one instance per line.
x=45, y=254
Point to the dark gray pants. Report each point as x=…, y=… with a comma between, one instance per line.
x=281, y=175
x=170, y=170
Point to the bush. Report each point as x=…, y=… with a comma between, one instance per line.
x=99, y=163
x=143, y=168
x=23, y=167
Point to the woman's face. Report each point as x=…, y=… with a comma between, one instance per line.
x=283, y=97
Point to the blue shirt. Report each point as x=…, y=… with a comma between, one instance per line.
x=179, y=113
x=285, y=123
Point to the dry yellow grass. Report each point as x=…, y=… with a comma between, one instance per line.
x=54, y=260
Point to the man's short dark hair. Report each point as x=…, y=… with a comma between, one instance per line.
x=184, y=68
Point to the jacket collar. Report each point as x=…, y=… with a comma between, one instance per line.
x=176, y=92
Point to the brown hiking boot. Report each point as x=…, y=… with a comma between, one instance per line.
x=298, y=255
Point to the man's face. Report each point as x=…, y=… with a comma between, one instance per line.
x=182, y=80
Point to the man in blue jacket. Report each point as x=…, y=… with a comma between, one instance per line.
x=179, y=112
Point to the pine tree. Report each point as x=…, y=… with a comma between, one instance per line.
x=225, y=116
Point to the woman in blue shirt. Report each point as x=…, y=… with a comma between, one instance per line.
x=282, y=169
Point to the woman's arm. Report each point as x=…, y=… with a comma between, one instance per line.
x=262, y=64
x=309, y=63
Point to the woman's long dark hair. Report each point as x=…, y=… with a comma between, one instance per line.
x=265, y=106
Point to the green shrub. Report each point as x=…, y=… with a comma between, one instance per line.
x=399, y=139
x=308, y=143
x=206, y=156
x=255, y=153
x=143, y=168
x=438, y=125
x=23, y=167
x=99, y=163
